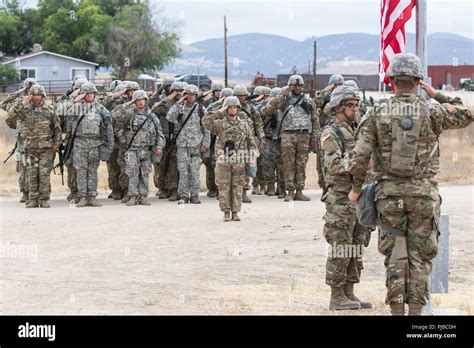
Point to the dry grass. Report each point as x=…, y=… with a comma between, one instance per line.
x=457, y=163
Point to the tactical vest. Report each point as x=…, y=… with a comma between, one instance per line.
x=407, y=143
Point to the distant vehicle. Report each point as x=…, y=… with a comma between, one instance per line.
x=202, y=81
x=467, y=84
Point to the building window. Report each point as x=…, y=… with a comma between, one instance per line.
x=80, y=71
x=27, y=73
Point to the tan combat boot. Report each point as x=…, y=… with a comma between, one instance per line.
x=349, y=291
x=271, y=190
x=82, y=202
x=299, y=196
x=414, y=308
x=32, y=203
x=93, y=202
x=174, y=195
x=397, y=308
x=245, y=198
x=43, y=203
x=339, y=300
x=143, y=201
x=125, y=199
x=24, y=197
x=235, y=216
x=227, y=216
x=132, y=201
x=163, y=194
x=291, y=196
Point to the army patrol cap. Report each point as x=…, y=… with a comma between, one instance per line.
x=177, y=85
x=114, y=84
x=191, y=89
x=405, y=64
x=29, y=82
x=217, y=86
x=131, y=85
x=275, y=91
x=240, y=90
x=295, y=79
x=257, y=90
x=351, y=83
x=341, y=94
x=139, y=94
x=79, y=83
x=336, y=79
x=88, y=87
x=37, y=89
x=231, y=101
x=227, y=92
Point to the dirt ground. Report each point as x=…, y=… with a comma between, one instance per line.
x=170, y=259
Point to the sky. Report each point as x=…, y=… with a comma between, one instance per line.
x=198, y=20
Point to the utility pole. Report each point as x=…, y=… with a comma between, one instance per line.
x=314, y=66
x=225, y=53
x=422, y=35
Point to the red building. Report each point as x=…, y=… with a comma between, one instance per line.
x=449, y=74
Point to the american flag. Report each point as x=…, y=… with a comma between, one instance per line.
x=393, y=16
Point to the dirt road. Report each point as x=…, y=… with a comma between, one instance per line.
x=170, y=259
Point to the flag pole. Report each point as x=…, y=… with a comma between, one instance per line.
x=422, y=35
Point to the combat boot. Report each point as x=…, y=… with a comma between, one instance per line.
x=414, y=308
x=271, y=190
x=143, y=201
x=235, y=217
x=195, y=200
x=43, y=203
x=262, y=190
x=116, y=195
x=227, y=216
x=132, y=201
x=245, y=198
x=93, y=202
x=339, y=300
x=290, y=196
x=32, y=203
x=163, y=194
x=281, y=194
x=72, y=196
x=349, y=291
x=212, y=193
x=174, y=195
x=82, y=202
x=125, y=199
x=110, y=195
x=397, y=308
x=299, y=196
x=255, y=190
x=183, y=200
x=24, y=197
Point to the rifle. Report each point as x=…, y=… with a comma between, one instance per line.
x=11, y=152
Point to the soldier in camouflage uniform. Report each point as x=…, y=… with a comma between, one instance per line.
x=258, y=183
x=41, y=133
x=234, y=138
x=214, y=94
x=144, y=141
x=403, y=133
x=299, y=131
x=168, y=171
x=363, y=107
x=271, y=157
x=10, y=101
x=92, y=125
x=341, y=229
x=226, y=92
x=253, y=118
x=64, y=109
x=193, y=140
x=162, y=92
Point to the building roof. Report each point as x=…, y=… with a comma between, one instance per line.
x=34, y=54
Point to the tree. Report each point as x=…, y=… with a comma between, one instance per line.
x=9, y=33
x=8, y=76
x=136, y=42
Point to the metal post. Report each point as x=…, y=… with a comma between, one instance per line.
x=314, y=66
x=225, y=53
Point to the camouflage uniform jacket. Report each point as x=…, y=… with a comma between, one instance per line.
x=150, y=134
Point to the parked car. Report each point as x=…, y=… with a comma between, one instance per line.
x=202, y=81
x=467, y=85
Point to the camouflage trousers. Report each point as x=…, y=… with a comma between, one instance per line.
x=39, y=164
x=123, y=178
x=271, y=159
x=138, y=168
x=170, y=171
x=294, y=153
x=230, y=178
x=71, y=176
x=86, y=161
x=420, y=218
x=23, y=178
x=158, y=176
x=189, y=161
x=346, y=238
x=113, y=169
x=259, y=179
x=210, y=163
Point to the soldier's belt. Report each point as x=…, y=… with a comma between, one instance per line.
x=304, y=131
